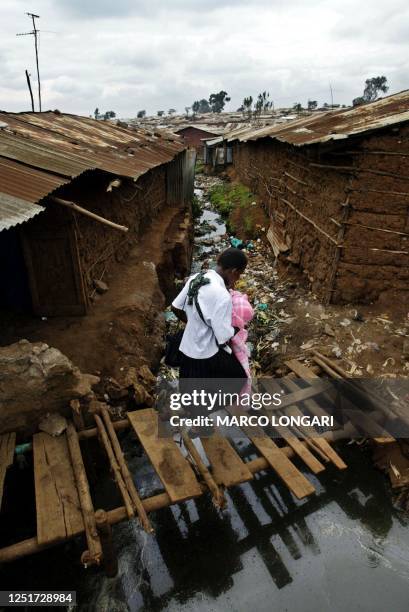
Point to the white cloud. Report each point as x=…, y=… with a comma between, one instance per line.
x=126, y=55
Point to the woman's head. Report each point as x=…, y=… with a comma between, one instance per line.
x=231, y=265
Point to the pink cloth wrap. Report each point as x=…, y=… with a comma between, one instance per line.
x=242, y=315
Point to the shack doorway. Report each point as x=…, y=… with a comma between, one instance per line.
x=15, y=289
x=54, y=267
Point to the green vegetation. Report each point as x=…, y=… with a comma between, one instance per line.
x=199, y=167
x=233, y=202
x=227, y=196
x=196, y=207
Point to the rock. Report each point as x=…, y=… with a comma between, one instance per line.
x=36, y=380
x=337, y=352
x=146, y=375
x=115, y=390
x=140, y=394
x=100, y=286
x=308, y=345
x=53, y=424
x=328, y=330
x=356, y=315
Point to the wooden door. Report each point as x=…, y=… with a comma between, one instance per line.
x=54, y=269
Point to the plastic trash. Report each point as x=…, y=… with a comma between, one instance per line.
x=262, y=306
x=236, y=242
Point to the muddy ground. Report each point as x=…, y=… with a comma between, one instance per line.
x=124, y=327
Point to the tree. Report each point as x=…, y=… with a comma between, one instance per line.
x=96, y=113
x=187, y=109
x=297, y=107
x=195, y=107
x=160, y=113
x=373, y=87
x=263, y=103
x=218, y=101
x=204, y=106
x=141, y=114
x=171, y=111
x=312, y=105
x=247, y=105
x=109, y=115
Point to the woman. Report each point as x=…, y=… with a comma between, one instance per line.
x=205, y=305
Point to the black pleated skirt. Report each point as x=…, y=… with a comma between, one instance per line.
x=220, y=365
x=220, y=373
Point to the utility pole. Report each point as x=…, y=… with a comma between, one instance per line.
x=35, y=33
x=30, y=90
x=332, y=97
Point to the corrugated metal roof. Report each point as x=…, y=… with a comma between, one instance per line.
x=40, y=152
x=334, y=125
x=95, y=144
x=14, y=211
x=27, y=183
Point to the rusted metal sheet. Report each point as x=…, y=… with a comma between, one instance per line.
x=45, y=158
x=27, y=183
x=40, y=152
x=333, y=125
x=14, y=211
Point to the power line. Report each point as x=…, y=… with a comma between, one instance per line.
x=35, y=33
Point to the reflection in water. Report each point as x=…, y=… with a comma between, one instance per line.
x=199, y=550
x=345, y=541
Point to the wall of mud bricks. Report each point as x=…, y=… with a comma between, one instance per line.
x=339, y=212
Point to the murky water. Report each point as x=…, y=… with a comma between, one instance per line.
x=343, y=549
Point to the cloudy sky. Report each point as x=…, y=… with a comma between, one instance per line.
x=128, y=55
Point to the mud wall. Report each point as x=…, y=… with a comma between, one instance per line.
x=317, y=211
x=303, y=202
x=132, y=204
x=375, y=258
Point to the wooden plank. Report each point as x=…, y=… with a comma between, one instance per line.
x=227, y=467
x=172, y=468
x=7, y=446
x=301, y=395
x=315, y=409
x=278, y=461
x=300, y=369
x=301, y=450
x=57, y=502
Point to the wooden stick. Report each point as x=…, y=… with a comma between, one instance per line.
x=136, y=500
x=398, y=193
x=317, y=227
x=329, y=370
x=337, y=253
x=368, y=152
x=87, y=508
x=88, y=213
x=105, y=534
x=114, y=466
x=346, y=247
x=356, y=169
x=93, y=431
x=218, y=497
x=297, y=180
x=378, y=229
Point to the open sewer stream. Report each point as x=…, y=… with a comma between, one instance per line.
x=344, y=548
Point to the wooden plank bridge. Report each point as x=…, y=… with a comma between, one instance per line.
x=64, y=501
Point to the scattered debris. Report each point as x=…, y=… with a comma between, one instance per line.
x=100, y=286
x=53, y=424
